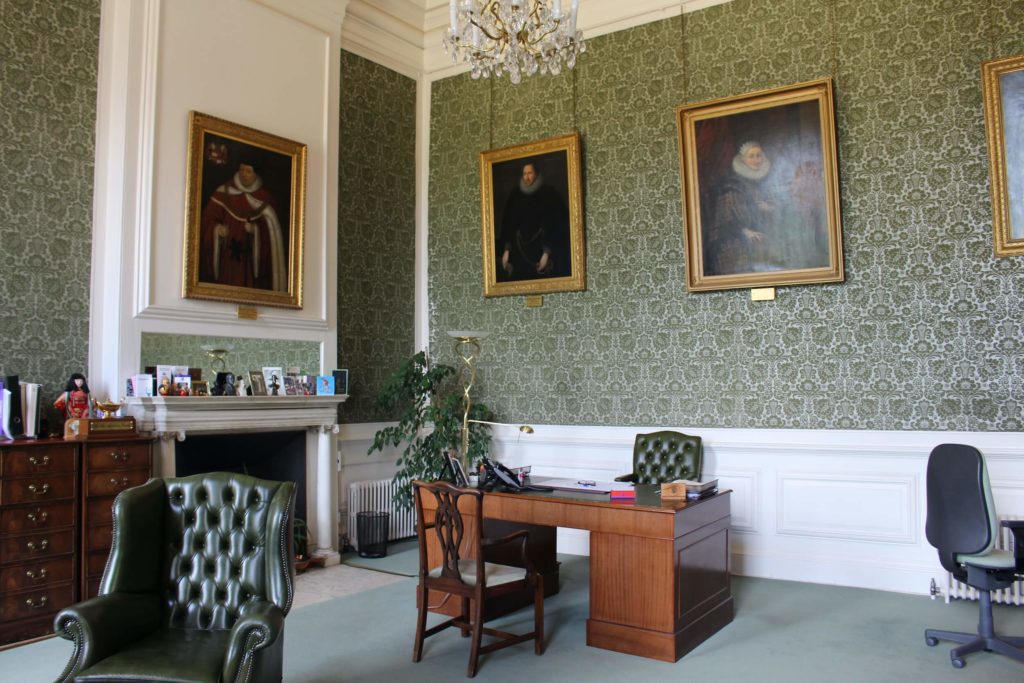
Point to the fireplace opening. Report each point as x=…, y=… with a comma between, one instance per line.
x=280, y=456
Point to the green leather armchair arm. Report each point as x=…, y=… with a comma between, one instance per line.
x=105, y=624
x=259, y=625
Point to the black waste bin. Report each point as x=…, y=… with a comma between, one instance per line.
x=372, y=533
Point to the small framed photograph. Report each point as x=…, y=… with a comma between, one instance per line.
x=257, y=384
x=292, y=386
x=182, y=385
x=340, y=381
x=273, y=378
x=200, y=387
x=457, y=472
x=324, y=385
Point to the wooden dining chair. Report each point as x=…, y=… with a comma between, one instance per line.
x=456, y=525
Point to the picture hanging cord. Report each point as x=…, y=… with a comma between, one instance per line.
x=575, y=119
x=992, y=30
x=490, y=115
x=682, y=44
x=834, y=21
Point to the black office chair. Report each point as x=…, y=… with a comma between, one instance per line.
x=962, y=526
x=665, y=456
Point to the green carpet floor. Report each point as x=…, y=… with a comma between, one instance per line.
x=783, y=632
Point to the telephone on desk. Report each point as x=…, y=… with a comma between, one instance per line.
x=497, y=476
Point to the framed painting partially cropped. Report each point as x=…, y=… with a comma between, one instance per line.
x=244, y=216
x=532, y=214
x=1003, y=88
x=760, y=189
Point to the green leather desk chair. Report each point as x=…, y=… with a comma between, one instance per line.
x=196, y=588
x=664, y=456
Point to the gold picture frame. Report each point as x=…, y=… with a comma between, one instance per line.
x=1002, y=83
x=532, y=214
x=246, y=195
x=761, y=189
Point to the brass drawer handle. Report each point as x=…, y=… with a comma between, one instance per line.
x=37, y=605
x=38, y=517
x=39, y=490
x=120, y=455
x=42, y=545
x=122, y=483
x=39, y=463
x=36, y=577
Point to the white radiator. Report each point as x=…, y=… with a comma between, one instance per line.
x=1014, y=595
x=378, y=496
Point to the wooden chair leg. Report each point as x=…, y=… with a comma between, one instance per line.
x=478, y=631
x=538, y=615
x=421, y=624
x=464, y=615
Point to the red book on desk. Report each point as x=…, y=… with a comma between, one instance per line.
x=626, y=494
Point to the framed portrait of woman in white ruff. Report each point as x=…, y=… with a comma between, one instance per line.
x=245, y=194
x=1003, y=89
x=761, y=189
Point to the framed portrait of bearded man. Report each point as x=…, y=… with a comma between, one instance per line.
x=532, y=214
x=246, y=193
x=761, y=189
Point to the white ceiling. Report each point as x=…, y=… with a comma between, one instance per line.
x=405, y=35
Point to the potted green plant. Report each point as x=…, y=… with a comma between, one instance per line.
x=428, y=402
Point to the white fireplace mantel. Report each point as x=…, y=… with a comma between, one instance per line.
x=174, y=418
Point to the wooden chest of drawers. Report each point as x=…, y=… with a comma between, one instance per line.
x=38, y=535
x=108, y=467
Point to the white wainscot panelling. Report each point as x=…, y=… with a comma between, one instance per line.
x=858, y=508
x=743, y=504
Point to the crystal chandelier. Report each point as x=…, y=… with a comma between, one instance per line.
x=514, y=36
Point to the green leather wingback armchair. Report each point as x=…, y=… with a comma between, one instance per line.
x=665, y=456
x=196, y=588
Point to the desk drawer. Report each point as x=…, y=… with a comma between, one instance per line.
x=26, y=629
x=112, y=483
x=36, y=546
x=43, y=460
x=99, y=537
x=36, y=602
x=117, y=456
x=16, y=520
x=39, y=489
x=36, y=574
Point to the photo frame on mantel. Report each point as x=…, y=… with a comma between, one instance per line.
x=245, y=212
x=761, y=189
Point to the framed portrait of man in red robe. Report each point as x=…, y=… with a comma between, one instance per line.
x=244, y=219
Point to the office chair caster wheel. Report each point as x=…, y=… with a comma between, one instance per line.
x=931, y=642
x=958, y=662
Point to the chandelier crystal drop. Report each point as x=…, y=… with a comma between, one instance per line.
x=517, y=37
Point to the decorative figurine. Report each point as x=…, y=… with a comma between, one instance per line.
x=74, y=402
x=240, y=387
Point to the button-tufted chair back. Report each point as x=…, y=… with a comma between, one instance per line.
x=197, y=586
x=664, y=456
x=224, y=544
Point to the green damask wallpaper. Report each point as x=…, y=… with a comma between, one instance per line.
x=927, y=332
x=376, y=229
x=48, y=62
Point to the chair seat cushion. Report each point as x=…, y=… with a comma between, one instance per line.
x=993, y=559
x=494, y=574
x=170, y=655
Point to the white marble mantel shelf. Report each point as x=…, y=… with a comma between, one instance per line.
x=180, y=415
x=172, y=418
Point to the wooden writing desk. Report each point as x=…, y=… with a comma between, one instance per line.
x=659, y=570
